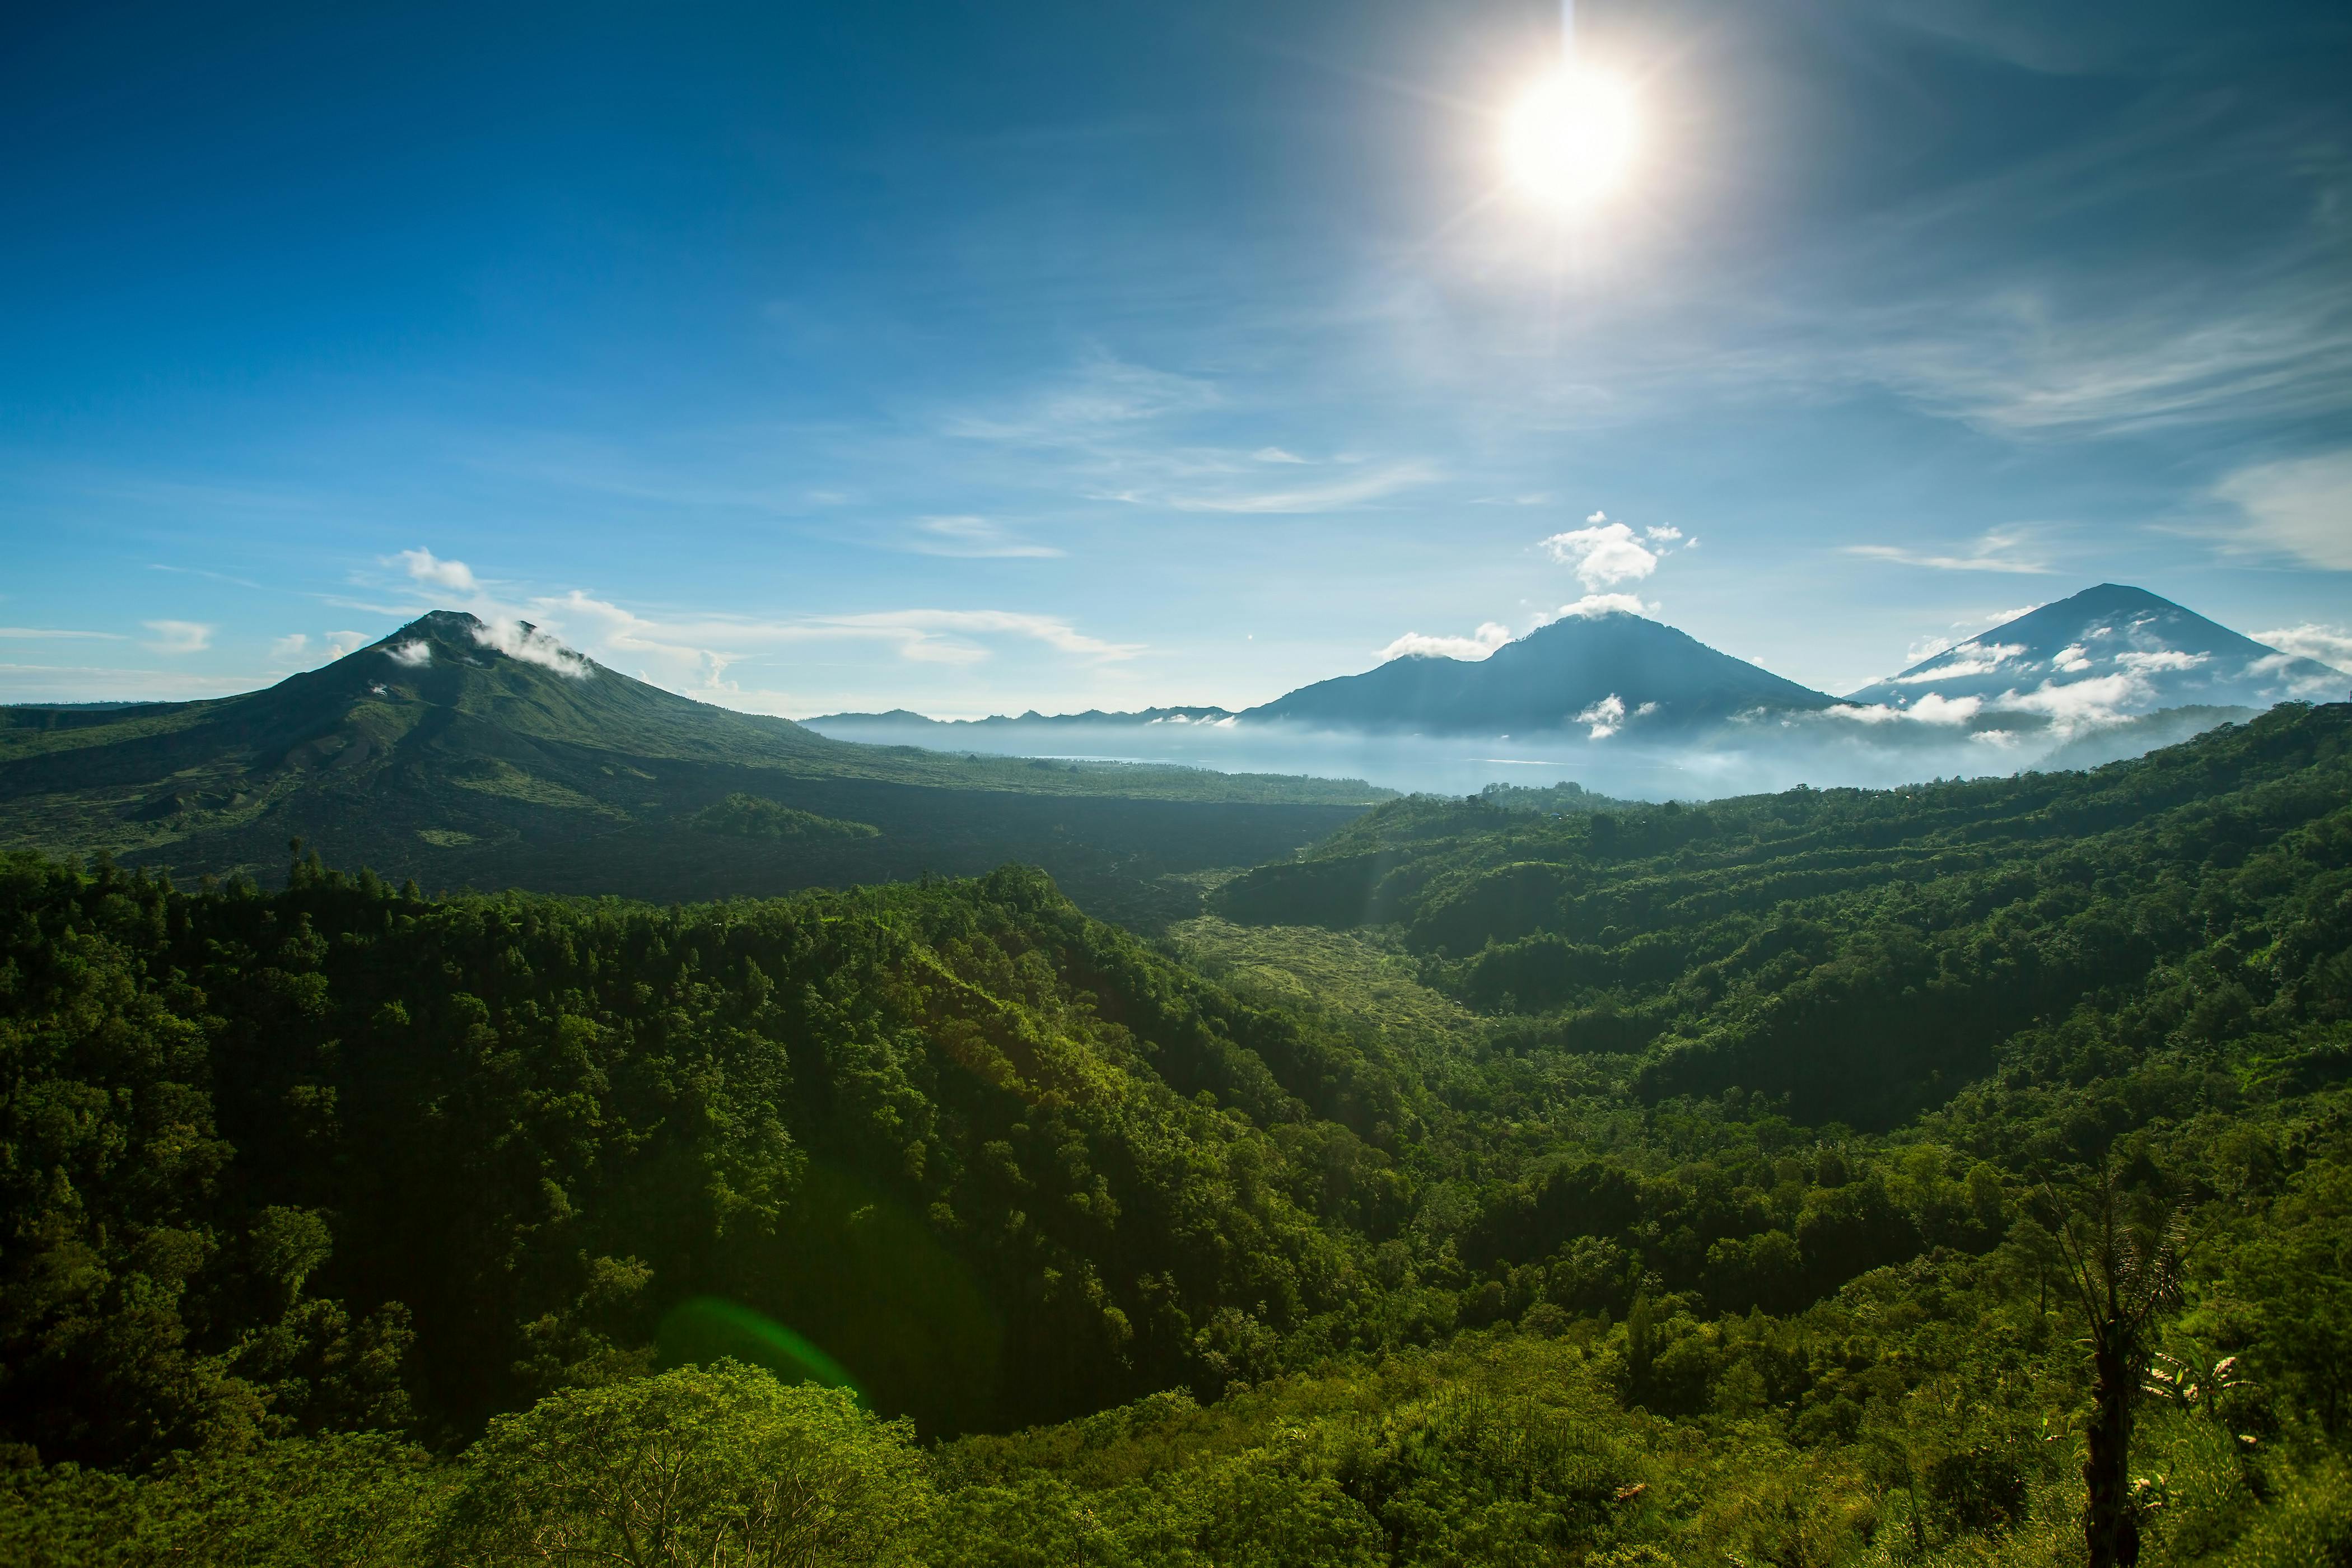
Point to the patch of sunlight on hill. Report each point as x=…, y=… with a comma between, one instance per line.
x=1361, y=975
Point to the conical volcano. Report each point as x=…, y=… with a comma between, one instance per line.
x=459, y=750
x=2112, y=650
x=1606, y=672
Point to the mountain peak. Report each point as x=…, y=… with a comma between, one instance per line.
x=1603, y=672
x=2107, y=652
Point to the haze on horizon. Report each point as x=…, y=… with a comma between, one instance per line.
x=817, y=359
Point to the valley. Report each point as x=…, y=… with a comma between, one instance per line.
x=1535, y=1176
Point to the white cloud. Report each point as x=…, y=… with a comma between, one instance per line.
x=414, y=653
x=2002, y=549
x=2302, y=507
x=924, y=635
x=49, y=633
x=287, y=649
x=2076, y=704
x=1665, y=533
x=1606, y=716
x=1936, y=709
x=696, y=654
x=2330, y=645
x=1603, y=604
x=424, y=566
x=1489, y=636
x=1602, y=553
x=178, y=636
x=1926, y=647
x=1337, y=496
x=974, y=537
x=1275, y=455
x=2071, y=659
x=85, y=683
x=340, y=644
x=1102, y=392
x=521, y=640
x=1932, y=708
x=1969, y=659
x=2162, y=658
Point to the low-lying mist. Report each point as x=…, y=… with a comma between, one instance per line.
x=1753, y=755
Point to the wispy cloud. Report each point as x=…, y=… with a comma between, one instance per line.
x=2331, y=646
x=1603, y=604
x=287, y=649
x=85, y=683
x=1338, y=495
x=1102, y=392
x=178, y=636
x=200, y=572
x=974, y=537
x=695, y=654
x=2300, y=507
x=2002, y=549
x=1489, y=636
x=1275, y=455
x=54, y=634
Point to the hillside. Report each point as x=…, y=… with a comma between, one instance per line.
x=1775, y=943
x=456, y=755
x=1654, y=1185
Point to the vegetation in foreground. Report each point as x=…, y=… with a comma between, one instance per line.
x=345, y=1225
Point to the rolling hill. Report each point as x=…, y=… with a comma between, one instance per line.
x=458, y=753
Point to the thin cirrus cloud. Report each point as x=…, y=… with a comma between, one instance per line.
x=975, y=538
x=2003, y=550
x=1338, y=495
x=702, y=654
x=56, y=634
x=2301, y=508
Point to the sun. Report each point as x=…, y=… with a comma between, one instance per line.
x=1570, y=140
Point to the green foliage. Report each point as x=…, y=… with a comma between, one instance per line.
x=741, y=815
x=723, y=1465
x=284, y=1163
x=1513, y=1229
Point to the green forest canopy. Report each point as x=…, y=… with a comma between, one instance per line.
x=1637, y=1184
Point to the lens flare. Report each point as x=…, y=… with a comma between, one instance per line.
x=1571, y=138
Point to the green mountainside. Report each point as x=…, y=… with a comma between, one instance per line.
x=461, y=756
x=1959, y=1175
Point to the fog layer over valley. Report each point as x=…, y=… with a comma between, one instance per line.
x=1627, y=707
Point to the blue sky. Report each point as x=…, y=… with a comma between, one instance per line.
x=972, y=358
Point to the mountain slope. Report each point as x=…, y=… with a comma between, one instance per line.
x=458, y=753
x=2108, y=651
x=1609, y=671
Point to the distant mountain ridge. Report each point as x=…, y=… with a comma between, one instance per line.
x=2102, y=656
x=461, y=753
x=2108, y=650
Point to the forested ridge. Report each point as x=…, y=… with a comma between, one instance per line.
x=1629, y=1185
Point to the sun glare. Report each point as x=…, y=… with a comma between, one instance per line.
x=1571, y=138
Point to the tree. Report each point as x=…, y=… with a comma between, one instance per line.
x=2124, y=1273
x=713, y=1465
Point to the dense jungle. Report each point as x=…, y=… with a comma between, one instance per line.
x=1959, y=1174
